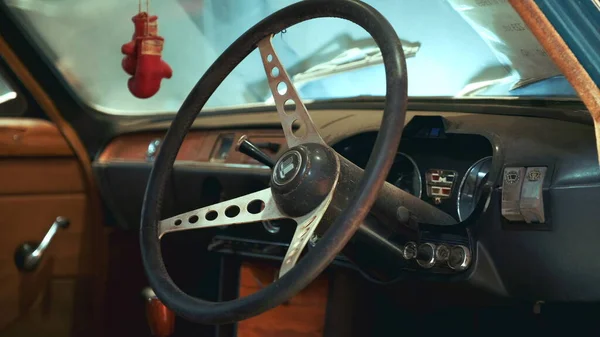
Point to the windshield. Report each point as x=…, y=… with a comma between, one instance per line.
x=454, y=48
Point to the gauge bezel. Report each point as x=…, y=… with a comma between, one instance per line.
x=462, y=183
x=416, y=168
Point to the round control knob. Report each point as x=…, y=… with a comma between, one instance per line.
x=460, y=258
x=426, y=255
x=410, y=250
x=442, y=253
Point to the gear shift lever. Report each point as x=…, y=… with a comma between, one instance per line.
x=160, y=318
x=251, y=150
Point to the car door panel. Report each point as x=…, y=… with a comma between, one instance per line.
x=40, y=179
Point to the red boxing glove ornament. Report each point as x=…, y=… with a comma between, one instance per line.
x=151, y=69
x=143, y=57
x=129, y=49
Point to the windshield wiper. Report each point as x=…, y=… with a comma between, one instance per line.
x=351, y=59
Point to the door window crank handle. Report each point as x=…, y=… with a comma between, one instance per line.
x=29, y=254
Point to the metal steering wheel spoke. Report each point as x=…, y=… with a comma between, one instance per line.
x=305, y=227
x=289, y=105
x=253, y=207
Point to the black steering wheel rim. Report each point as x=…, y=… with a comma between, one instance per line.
x=311, y=265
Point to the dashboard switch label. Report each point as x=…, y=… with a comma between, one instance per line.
x=511, y=193
x=512, y=176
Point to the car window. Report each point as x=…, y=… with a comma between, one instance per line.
x=454, y=48
x=11, y=102
x=6, y=91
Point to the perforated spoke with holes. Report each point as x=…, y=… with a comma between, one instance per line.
x=292, y=111
x=304, y=230
x=250, y=208
x=253, y=207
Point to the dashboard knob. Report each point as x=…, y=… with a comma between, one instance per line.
x=460, y=258
x=410, y=250
x=442, y=253
x=153, y=148
x=426, y=255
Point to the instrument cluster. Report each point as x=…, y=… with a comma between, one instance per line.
x=448, y=170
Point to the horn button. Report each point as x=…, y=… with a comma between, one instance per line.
x=287, y=168
x=302, y=178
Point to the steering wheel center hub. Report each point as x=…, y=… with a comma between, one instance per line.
x=303, y=177
x=287, y=168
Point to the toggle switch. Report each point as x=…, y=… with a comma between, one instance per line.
x=511, y=193
x=532, y=199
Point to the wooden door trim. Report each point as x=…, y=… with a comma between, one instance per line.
x=29, y=137
x=96, y=242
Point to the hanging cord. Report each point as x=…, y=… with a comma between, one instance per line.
x=139, y=6
x=147, y=16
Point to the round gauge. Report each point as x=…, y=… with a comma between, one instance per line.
x=471, y=185
x=405, y=175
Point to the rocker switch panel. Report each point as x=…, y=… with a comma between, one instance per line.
x=511, y=193
x=532, y=200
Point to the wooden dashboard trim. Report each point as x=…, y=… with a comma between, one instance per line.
x=198, y=146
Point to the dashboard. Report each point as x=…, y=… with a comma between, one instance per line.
x=475, y=167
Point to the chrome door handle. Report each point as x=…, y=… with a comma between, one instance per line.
x=29, y=254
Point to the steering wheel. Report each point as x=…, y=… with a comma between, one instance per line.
x=310, y=183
